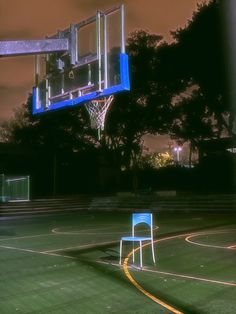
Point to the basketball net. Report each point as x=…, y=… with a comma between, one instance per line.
x=97, y=110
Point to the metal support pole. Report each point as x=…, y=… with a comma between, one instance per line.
x=37, y=75
x=48, y=87
x=99, y=51
x=89, y=74
x=73, y=44
x=105, y=50
x=122, y=29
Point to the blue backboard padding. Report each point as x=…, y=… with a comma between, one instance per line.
x=123, y=86
x=124, y=71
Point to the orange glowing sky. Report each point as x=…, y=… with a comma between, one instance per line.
x=31, y=19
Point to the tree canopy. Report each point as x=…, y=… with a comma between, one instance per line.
x=196, y=60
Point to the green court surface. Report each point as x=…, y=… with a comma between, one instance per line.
x=69, y=263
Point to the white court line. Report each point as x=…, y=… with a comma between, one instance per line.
x=145, y=269
x=24, y=250
x=202, y=244
x=52, y=252
x=209, y=233
x=92, y=245
x=192, y=277
x=37, y=252
x=87, y=231
x=57, y=230
x=28, y=237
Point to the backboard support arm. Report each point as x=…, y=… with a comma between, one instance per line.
x=30, y=47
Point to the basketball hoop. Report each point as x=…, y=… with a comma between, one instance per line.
x=97, y=110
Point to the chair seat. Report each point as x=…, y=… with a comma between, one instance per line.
x=136, y=238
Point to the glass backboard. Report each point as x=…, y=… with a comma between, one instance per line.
x=95, y=65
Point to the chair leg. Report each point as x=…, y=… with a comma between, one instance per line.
x=153, y=254
x=141, y=255
x=133, y=251
x=120, y=251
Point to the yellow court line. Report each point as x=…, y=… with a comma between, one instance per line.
x=139, y=287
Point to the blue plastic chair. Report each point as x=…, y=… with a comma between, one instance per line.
x=139, y=218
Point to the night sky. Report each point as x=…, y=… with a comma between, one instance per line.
x=31, y=19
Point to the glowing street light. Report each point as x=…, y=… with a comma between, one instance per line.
x=178, y=149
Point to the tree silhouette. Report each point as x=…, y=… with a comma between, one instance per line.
x=146, y=108
x=196, y=60
x=193, y=122
x=60, y=130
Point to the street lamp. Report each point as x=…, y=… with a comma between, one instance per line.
x=177, y=149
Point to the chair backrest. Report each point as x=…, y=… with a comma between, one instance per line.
x=146, y=218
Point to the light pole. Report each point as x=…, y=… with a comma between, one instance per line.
x=178, y=149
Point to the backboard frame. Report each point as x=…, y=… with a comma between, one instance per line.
x=103, y=89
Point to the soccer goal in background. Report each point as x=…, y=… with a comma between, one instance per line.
x=14, y=188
